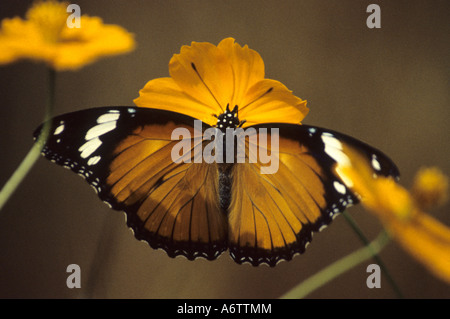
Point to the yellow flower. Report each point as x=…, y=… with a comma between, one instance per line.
x=422, y=236
x=430, y=188
x=206, y=78
x=45, y=36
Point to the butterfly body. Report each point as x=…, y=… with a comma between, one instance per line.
x=200, y=208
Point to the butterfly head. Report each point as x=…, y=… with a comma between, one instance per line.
x=229, y=119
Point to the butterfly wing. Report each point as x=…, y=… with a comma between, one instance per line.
x=125, y=153
x=272, y=216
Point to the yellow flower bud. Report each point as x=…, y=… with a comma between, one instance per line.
x=430, y=188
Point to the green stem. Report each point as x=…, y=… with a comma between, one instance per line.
x=27, y=163
x=377, y=257
x=337, y=268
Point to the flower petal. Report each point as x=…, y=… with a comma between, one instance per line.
x=381, y=195
x=20, y=39
x=165, y=94
x=81, y=46
x=269, y=101
x=427, y=240
x=247, y=66
x=204, y=72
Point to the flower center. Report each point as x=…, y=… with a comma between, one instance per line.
x=49, y=17
x=229, y=119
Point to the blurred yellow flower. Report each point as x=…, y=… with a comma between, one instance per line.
x=430, y=188
x=205, y=79
x=45, y=36
x=422, y=236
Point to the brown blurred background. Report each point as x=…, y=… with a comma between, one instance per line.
x=388, y=87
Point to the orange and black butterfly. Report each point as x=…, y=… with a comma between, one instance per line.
x=202, y=209
x=178, y=200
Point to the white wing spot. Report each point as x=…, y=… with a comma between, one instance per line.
x=94, y=160
x=59, y=129
x=100, y=129
x=108, y=117
x=334, y=149
x=340, y=188
x=375, y=164
x=89, y=147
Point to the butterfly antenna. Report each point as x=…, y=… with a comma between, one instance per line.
x=196, y=71
x=267, y=92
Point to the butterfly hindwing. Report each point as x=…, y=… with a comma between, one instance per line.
x=125, y=153
x=272, y=216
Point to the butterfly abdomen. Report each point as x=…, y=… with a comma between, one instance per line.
x=225, y=181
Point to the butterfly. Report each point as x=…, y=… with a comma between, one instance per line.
x=194, y=207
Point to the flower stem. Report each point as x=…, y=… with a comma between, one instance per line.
x=27, y=163
x=337, y=268
x=377, y=257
